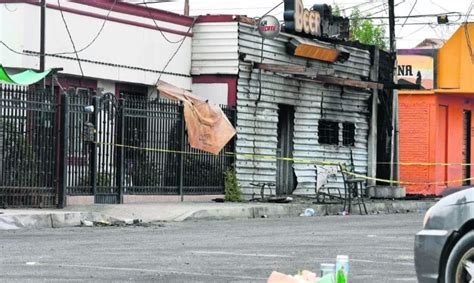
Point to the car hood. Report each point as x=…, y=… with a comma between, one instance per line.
x=451, y=212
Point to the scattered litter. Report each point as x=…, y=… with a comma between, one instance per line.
x=102, y=223
x=280, y=199
x=264, y=216
x=308, y=212
x=329, y=273
x=87, y=223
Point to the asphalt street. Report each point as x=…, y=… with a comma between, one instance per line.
x=380, y=248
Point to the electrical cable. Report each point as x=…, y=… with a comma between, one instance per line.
x=17, y=52
x=96, y=36
x=271, y=10
x=406, y=19
x=466, y=32
x=416, y=16
x=159, y=29
x=8, y=9
x=70, y=37
x=173, y=55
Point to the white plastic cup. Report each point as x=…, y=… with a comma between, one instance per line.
x=342, y=268
x=327, y=268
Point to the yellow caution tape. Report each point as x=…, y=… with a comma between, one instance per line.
x=311, y=161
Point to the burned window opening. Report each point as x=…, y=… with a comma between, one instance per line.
x=348, y=134
x=328, y=132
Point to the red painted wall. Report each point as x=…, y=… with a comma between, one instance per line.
x=431, y=131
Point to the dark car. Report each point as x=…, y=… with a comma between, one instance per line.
x=444, y=249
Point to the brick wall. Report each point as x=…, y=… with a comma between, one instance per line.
x=415, y=142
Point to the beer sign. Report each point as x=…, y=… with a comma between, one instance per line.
x=316, y=22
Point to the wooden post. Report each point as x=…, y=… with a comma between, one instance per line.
x=186, y=7
x=372, y=142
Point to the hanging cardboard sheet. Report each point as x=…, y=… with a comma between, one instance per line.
x=207, y=126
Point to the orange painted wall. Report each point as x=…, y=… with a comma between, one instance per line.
x=455, y=65
x=420, y=139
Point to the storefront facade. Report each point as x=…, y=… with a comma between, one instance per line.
x=291, y=111
x=436, y=122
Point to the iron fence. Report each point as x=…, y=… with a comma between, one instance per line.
x=28, y=123
x=53, y=147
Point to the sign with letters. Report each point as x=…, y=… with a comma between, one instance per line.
x=417, y=67
x=317, y=22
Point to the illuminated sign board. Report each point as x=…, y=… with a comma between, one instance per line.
x=317, y=22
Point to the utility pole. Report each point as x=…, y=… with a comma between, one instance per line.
x=394, y=151
x=42, y=33
x=186, y=7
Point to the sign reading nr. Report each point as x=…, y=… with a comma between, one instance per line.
x=300, y=19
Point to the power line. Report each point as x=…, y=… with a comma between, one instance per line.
x=173, y=55
x=406, y=19
x=159, y=29
x=416, y=16
x=96, y=36
x=15, y=51
x=271, y=10
x=70, y=37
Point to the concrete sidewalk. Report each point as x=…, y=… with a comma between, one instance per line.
x=125, y=214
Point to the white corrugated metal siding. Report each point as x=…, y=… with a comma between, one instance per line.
x=215, y=49
x=257, y=126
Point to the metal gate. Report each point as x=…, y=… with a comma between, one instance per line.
x=106, y=160
x=93, y=159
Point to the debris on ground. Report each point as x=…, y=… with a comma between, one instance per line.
x=114, y=222
x=308, y=212
x=87, y=223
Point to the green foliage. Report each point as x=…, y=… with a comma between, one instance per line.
x=336, y=11
x=19, y=159
x=364, y=31
x=231, y=186
x=146, y=173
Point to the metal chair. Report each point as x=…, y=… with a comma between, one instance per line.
x=354, y=188
x=325, y=193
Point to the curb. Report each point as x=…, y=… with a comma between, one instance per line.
x=62, y=219
x=47, y=220
x=292, y=210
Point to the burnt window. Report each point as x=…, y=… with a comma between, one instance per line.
x=348, y=134
x=328, y=132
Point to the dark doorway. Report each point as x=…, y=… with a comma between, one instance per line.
x=466, y=149
x=286, y=179
x=442, y=145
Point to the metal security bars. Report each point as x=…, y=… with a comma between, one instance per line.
x=28, y=131
x=81, y=144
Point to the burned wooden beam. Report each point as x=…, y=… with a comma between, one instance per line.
x=278, y=68
x=349, y=82
x=303, y=71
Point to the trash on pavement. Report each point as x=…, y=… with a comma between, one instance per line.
x=87, y=223
x=342, y=268
x=330, y=273
x=308, y=212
